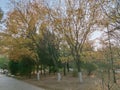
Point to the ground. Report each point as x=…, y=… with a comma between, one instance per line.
x=67, y=83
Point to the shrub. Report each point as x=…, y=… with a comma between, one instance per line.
x=13, y=67
x=23, y=67
x=89, y=67
x=26, y=66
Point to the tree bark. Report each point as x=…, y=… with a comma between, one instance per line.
x=49, y=70
x=79, y=69
x=59, y=77
x=80, y=77
x=64, y=69
x=38, y=76
x=68, y=67
x=41, y=69
x=111, y=56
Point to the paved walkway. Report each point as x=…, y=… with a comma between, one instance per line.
x=8, y=83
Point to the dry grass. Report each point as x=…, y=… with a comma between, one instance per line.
x=71, y=83
x=67, y=83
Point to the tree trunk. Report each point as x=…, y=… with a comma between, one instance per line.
x=44, y=71
x=68, y=67
x=37, y=67
x=111, y=55
x=64, y=69
x=79, y=70
x=114, y=77
x=54, y=70
x=38, y=76
x=59, y=77
x=41, y=69
x=80, y=77
x=49, y=70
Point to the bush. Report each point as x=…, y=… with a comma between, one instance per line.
x=13, y=67
x=23, y=67
x=89, y=67
x=26, y=66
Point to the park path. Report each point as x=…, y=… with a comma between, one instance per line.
x=8, y=83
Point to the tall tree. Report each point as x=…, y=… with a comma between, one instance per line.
x=111, y=13
x=23, y=24
x=75, y=23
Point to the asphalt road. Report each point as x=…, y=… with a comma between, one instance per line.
x=8, y=83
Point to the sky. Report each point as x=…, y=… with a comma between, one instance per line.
x=4, y=5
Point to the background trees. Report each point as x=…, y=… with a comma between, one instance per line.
x=53, y=37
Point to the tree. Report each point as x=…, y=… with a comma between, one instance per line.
x=111, y=16
x=44, y=52
x=54, y=51
x=65, y=56
x=75, y=24
x=1, y=14
x=23, y=26
x=26, y=34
